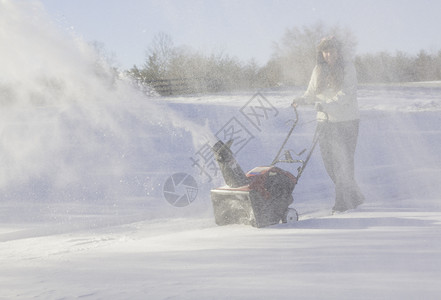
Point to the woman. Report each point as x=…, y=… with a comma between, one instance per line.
x=333, y=90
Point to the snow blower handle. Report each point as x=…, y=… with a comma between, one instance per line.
x=276, y=159
x=317, y=133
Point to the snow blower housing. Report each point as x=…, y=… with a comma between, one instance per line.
x=260, y=197
x=263, y=201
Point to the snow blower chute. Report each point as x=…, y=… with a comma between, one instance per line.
x=262, y=196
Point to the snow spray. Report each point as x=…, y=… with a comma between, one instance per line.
x=70, y=128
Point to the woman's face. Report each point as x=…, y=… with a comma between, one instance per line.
x=330, y=56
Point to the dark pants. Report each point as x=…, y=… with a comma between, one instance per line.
x=337, y=145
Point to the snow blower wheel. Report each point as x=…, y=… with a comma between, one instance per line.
x=292, y=216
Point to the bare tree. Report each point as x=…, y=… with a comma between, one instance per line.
x=296, y=52
x=160, y=55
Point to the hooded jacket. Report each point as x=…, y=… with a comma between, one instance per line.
x=337, y=105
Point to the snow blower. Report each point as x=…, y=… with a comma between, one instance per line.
x=262, y=196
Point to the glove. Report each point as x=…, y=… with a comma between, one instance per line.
x=318, y=106
x=298, y=101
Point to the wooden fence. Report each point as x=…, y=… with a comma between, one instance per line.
x=182, y=86
x=178, y=86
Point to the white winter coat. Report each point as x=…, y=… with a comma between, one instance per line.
x=339, y=105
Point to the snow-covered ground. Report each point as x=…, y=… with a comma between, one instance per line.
x=86, y=159
x=138, y=246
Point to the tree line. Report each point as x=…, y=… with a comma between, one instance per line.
x=291, y=64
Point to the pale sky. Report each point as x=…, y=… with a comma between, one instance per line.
x=245, y=29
